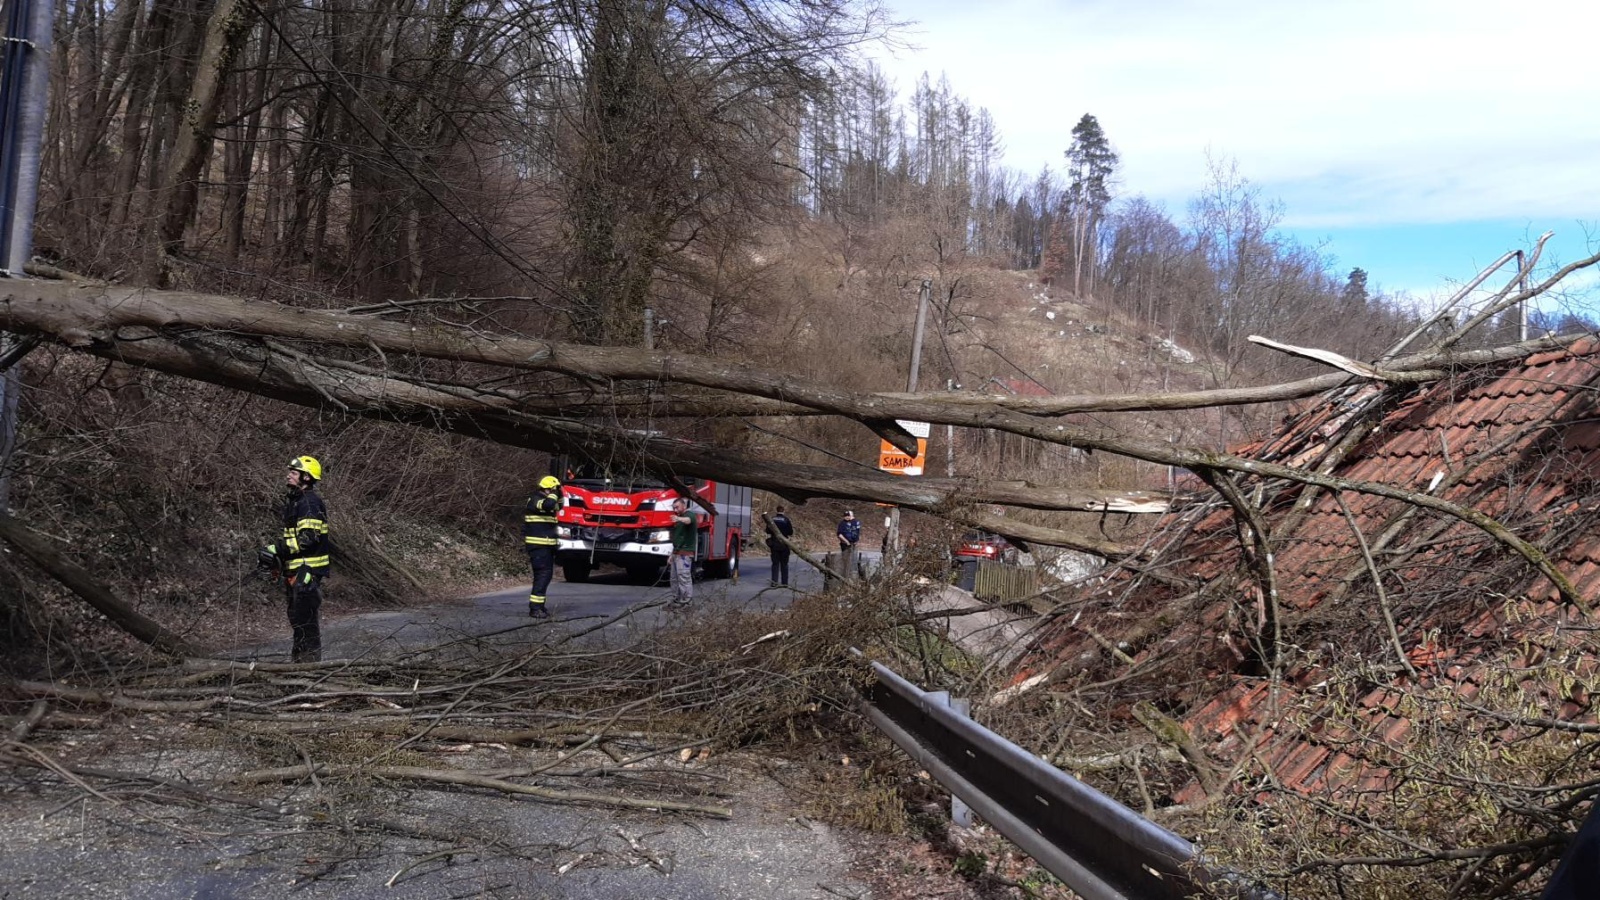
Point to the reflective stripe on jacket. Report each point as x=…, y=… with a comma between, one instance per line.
x=539, y=520
x=305, y=533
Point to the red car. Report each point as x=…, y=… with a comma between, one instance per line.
x=982, y=545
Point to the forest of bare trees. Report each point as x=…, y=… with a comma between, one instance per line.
x=595, y=158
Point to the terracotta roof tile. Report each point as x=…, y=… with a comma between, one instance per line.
x=1547, y=357
x=1301, y=762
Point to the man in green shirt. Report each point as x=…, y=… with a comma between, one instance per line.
x=684, y=536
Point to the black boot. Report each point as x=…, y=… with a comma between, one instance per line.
x=537, y=611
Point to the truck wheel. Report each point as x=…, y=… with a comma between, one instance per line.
x=724, y=568
x=576, y=573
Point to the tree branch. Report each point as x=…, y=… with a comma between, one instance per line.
x=92, y=592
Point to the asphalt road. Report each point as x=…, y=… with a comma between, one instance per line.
x=67, y=843
x=502, y=616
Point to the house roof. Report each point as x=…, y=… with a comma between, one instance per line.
x=1519, y=443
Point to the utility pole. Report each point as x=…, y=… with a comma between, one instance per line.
x=24, y=89
x=950, y=437
x=1522, y=305
x=911, y=388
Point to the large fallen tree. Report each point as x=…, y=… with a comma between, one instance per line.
x=301, y=356
x=605, y=402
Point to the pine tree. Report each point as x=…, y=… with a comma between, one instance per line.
x=1355, y=294
x=1091, y=163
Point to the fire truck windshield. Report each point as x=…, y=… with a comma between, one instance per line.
x=591, y=477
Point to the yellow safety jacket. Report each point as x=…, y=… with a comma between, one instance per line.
x=539, y=521
x=305, y=543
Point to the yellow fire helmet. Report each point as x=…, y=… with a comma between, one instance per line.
x=308, y=465
x=549, y=482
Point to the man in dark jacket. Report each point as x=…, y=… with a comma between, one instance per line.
x=539, y=537
x=779, y=525
x=849, y=534
x=302, y=554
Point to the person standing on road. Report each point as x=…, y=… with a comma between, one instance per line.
x=684, y=535
x=778, y=528
x=302, y=553
x=849, y=534
x=539, y=538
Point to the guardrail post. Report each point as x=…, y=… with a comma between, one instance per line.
x=960, y=812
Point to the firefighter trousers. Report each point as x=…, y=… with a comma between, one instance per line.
x=542, y=560
x=304, y=595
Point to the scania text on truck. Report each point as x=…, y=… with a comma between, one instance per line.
x=625, y=520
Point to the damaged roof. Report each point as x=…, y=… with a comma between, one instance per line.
x=1517, y=442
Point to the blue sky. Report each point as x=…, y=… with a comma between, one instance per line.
x=1417, y=139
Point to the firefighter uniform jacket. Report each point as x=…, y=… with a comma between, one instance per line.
x=305, y=543
x=539, y=521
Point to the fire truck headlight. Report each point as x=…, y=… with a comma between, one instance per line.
x=657, y=537
x=563, y=531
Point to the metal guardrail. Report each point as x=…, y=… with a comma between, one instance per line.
x=1095, y=845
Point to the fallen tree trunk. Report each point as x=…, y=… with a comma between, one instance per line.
x=80, y=315
x=95, y=319
x=249, y=366
x=80, y=582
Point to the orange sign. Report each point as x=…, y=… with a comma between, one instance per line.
x=894, y=460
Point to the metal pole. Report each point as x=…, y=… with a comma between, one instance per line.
x=1522, y=305
x=893, y=538
x=949, y=439
x=29, y=46
x=24, y=91
x=960, y=812
x=13, y=59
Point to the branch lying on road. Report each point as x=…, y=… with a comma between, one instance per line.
x=472, y=779
x=813, y=562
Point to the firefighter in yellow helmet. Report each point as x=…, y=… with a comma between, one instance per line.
x=302, y=552
x=539, y=538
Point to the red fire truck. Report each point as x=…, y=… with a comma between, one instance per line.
x=625, y=520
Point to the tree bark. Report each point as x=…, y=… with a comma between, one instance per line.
x=80, y=582
x=226, y=29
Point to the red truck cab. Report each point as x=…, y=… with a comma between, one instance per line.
x=626, y=520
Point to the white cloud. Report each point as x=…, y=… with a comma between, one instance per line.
x=1358, y=112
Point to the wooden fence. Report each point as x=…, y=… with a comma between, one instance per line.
x=997, y=582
